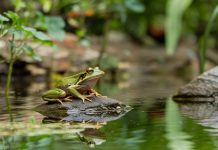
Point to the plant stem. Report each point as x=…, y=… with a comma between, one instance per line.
x=204, y=40
x=9, y=77
x=10, y=69
x=11, y=63
x=104, y=42
x=8, y=103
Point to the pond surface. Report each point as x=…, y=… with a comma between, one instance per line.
x=156, y=122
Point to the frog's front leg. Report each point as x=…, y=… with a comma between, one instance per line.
x=73, y=90
x=54, y=95
x=95, y=92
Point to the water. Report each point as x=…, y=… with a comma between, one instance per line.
x=156, y=122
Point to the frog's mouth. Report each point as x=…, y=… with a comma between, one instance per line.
x=91, y=81
x=95, y=77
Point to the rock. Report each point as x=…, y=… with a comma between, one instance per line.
x=202, y=89
x=205, y=113
x=101, y=109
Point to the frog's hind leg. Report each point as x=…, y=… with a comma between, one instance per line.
x=60, y=101
x=54, y=99
x=68, y=98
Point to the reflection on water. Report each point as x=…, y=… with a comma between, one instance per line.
x=178, y=139
x=155, y=123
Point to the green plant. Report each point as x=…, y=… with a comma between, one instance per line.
x=53, y=25
x=174, y=10
x=17, y=36
x=204, y=38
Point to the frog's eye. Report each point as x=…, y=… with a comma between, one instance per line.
x=89, y=70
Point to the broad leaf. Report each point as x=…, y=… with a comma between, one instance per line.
x=14, y=17
x=57, y=34
x=135, y=5
x=55, y=27
x=37, y=34
x=3, y=18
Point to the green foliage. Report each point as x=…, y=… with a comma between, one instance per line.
x=46, y=5
x=55, y=27
x=19, y=4
x=12, y=27
x=12, y=24
x=204, y=39
x=175, y=10
x=135, y=6
x=32, y=16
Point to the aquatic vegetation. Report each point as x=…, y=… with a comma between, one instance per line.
x=13, y=29
x=204, y=39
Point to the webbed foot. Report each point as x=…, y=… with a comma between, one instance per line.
x=60, y=101
x=85, y=98
x=95, y=92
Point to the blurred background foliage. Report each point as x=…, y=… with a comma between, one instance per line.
x=165, y=22
x=168, y=24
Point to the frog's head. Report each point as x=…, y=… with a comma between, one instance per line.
x=91, y=75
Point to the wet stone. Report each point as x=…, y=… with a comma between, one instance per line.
x=101, y=109
x=202, y=89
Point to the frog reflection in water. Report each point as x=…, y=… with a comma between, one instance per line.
x=79, y=85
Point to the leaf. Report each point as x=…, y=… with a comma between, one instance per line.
x=55, y=27
x=18, y=4
x=55, y=22
x=57, y=34
x=30, y=52
x=3, y=18
x=40, y=21
x=37, y=34
x=14, y=17
x=18, y=34
x=46, y=5
x=174, y=22
x=4, y=32
x=135, y=6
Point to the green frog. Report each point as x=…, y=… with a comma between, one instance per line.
x=79, y=85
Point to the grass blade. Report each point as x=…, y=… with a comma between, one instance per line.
x=174, y=10
x=203, y=41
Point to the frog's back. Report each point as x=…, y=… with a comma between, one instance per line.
x=70, y=80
